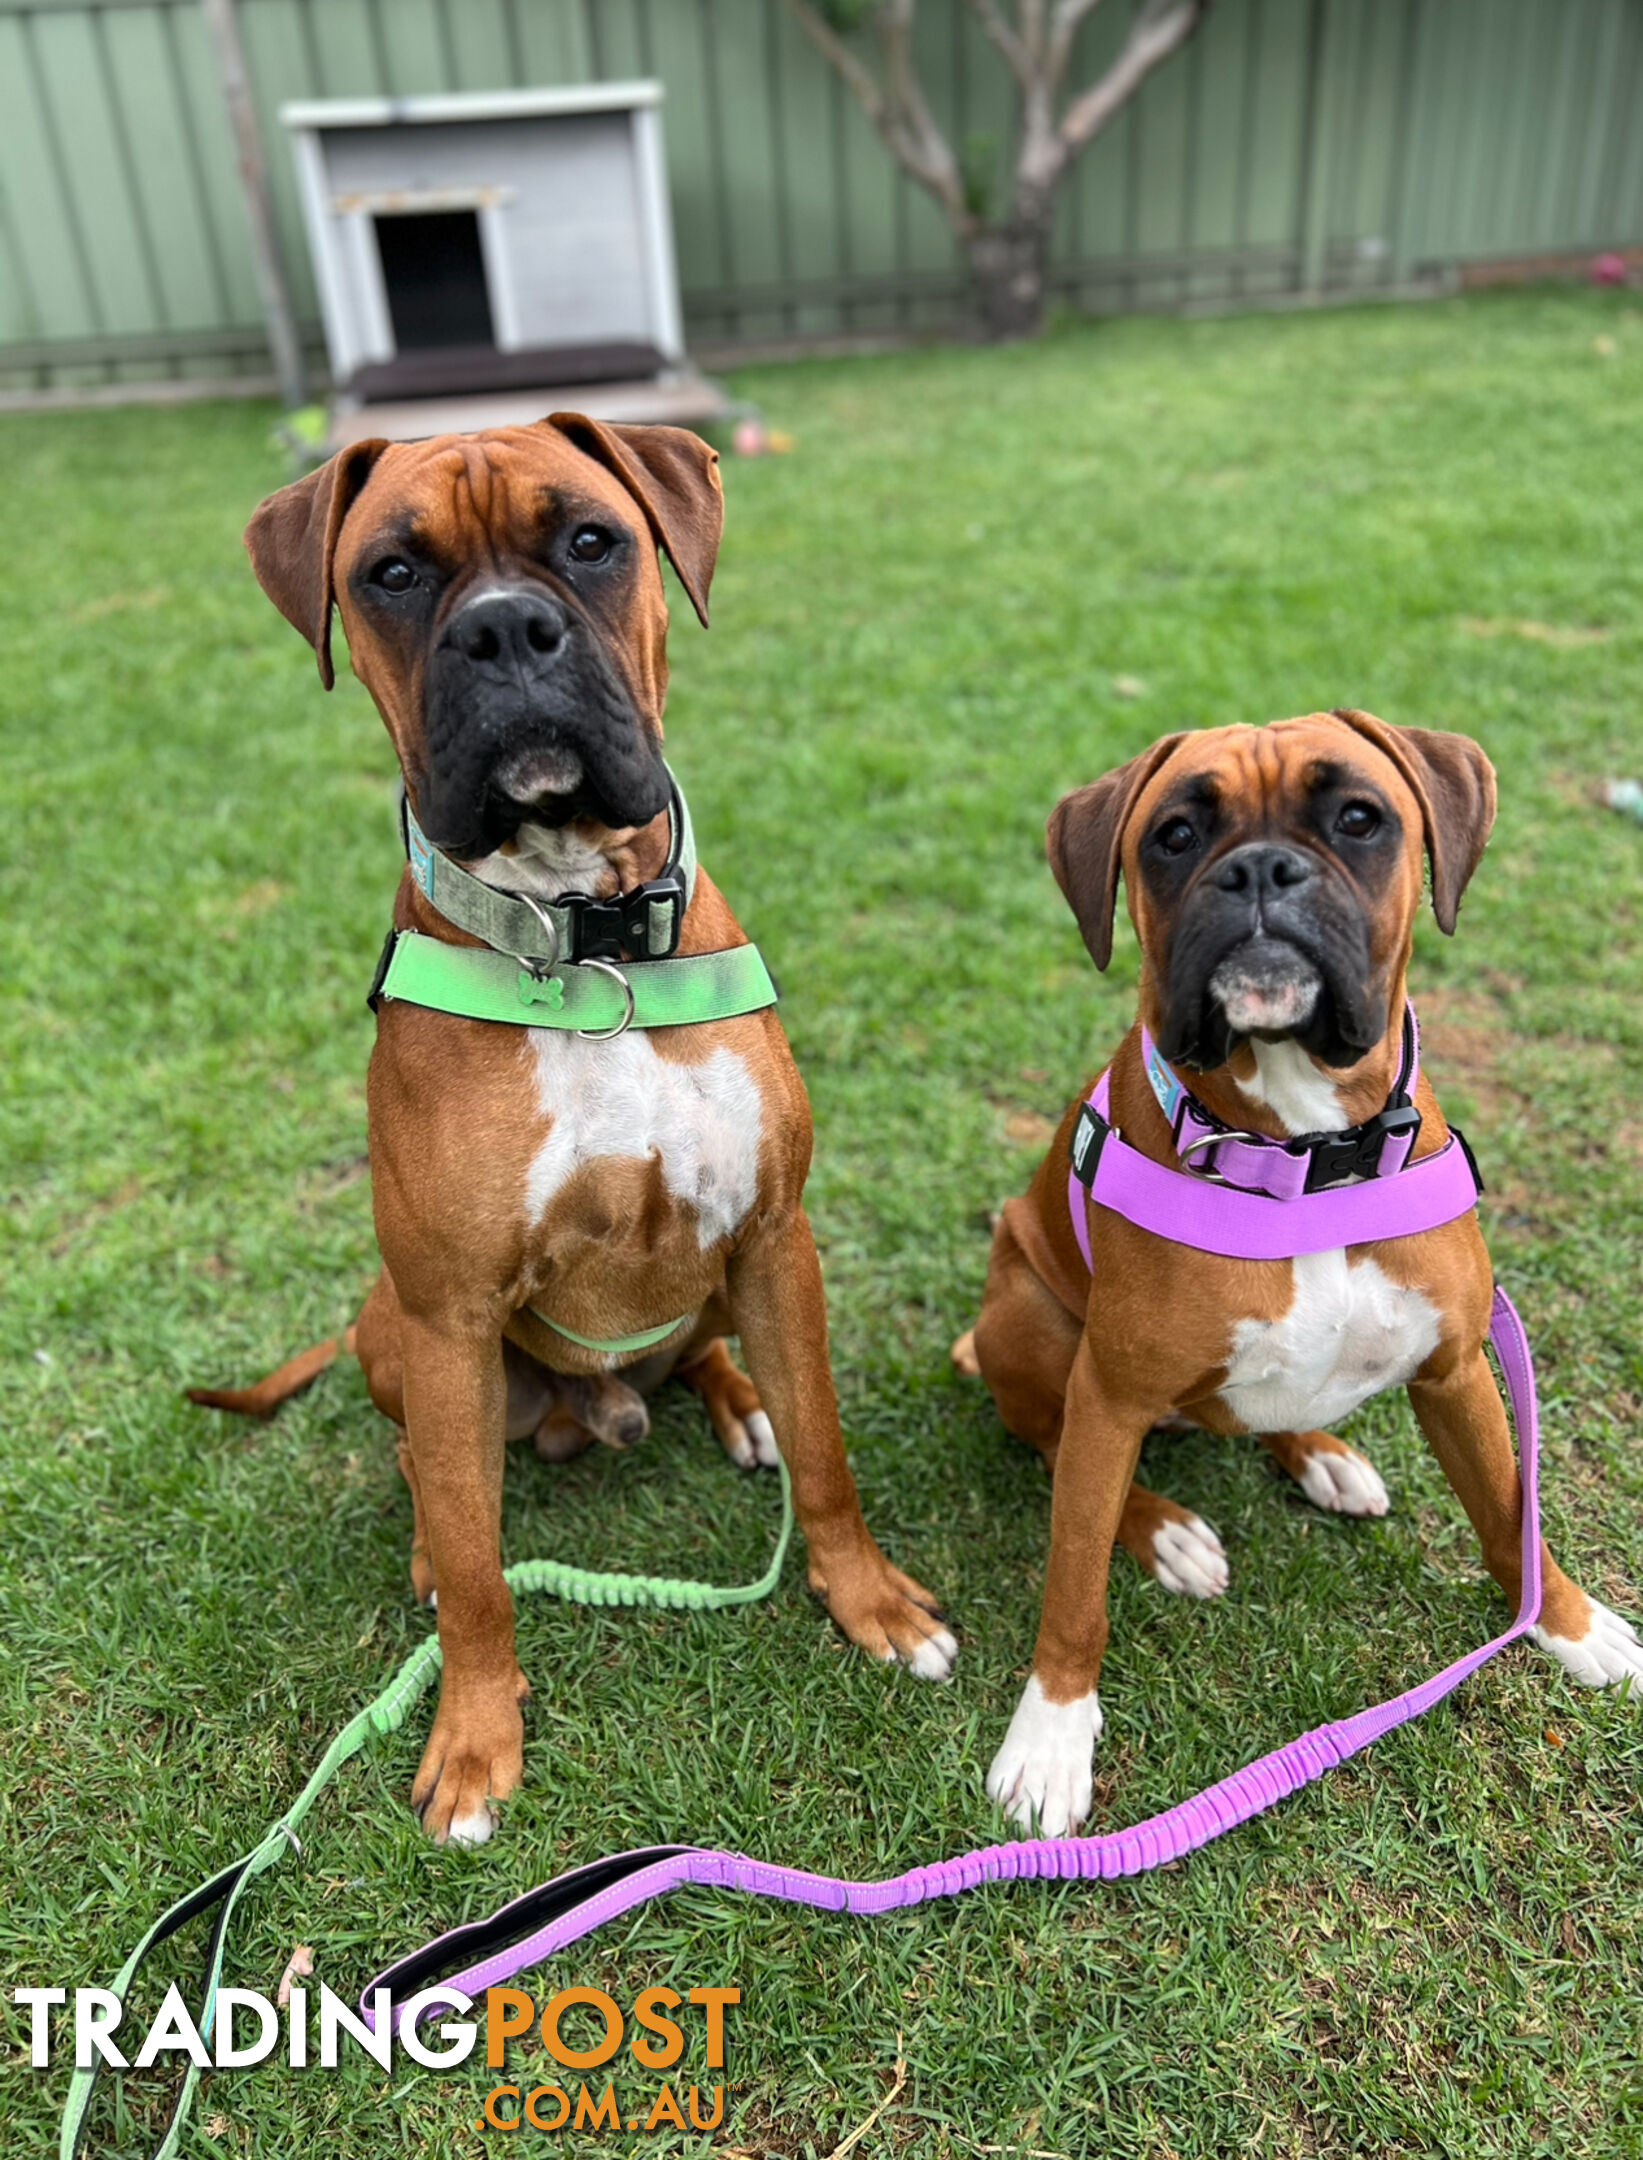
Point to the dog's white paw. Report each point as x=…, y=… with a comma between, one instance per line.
x=754, y=1447
x=1606, y=1654
x=1187, y=1558
x=1043, y=1772
x=475, y=1829
x=934, y=1658
x=1347, y=1484
x=757, y=1427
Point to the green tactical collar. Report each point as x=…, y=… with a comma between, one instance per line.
x=565, y=964
x=644, y=921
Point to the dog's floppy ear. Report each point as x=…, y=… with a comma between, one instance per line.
x=1085, y=838
x=674, y=478
x=1454, y=783
x=292, y=542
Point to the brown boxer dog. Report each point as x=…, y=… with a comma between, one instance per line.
x=1273, y=877
x=503, y=602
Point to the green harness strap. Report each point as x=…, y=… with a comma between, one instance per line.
x=594, y=997
x=616, y=1345
x=221, y=1892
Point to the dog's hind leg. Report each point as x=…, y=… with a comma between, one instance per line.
x=1333, y=1476
x=422, y=1568
x=1023, y=1346
x=732, y=1404
x=1177, y=1549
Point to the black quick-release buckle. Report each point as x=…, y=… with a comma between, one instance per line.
x=373, y=996
x=642, y=924
x=1089, y=1138
x=1455, y=1133
x=1337, y=1156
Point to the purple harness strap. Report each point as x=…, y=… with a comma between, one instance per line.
x=1249, y=1198
x=545, y=1920
x=1243, y=1225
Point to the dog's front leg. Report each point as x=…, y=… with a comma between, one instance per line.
x=455, y=1414
x=1461, y=1414
x=1043, y=1772
x=776, y=1298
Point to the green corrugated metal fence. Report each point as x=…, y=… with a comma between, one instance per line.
x=1296, y=146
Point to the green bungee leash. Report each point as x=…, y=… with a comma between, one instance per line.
x=221, y=1892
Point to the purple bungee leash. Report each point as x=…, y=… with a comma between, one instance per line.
x=531, y=1928
x=1400, y=1198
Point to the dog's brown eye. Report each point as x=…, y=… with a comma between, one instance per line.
x=1176, y=837
x=393, y=575
x=1358, y=820
x=589, y=544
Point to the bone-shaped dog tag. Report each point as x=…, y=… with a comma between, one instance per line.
x=546, y=990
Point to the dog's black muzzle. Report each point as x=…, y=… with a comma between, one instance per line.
x=1281, y=906
x=516, y=674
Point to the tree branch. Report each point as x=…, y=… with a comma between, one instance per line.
x=896, y=108
x=1065, y=25
x=1030, y=18
x=837, y=54
x=927, y=154
x=1016, y=56
x=1036, y=44
x=1159, y=29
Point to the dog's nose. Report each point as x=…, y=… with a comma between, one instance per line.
x=509, y=630
x=1262, y=870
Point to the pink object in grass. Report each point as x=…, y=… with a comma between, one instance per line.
x=749, y=439
x=1607, y=270
x=301, y=1967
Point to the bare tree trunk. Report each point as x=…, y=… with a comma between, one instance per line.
x=1008, y=263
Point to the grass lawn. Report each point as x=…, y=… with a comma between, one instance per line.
x=981, y=579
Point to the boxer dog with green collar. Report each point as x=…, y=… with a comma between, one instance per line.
x=1273, y=877
x=588, y=1138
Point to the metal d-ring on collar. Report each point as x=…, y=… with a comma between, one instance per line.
x=605, y=967
x=533, y=960
x=541, y=968
x=1214, y=1139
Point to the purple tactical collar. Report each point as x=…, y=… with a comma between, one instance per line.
x=1190, y=1210
x=1285, y=1169
x=1250, y=1198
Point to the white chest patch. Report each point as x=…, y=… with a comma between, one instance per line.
x=1350, y=1332
x=703, y=1123
x=1288, y=1082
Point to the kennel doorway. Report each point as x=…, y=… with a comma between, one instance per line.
x=433, y=275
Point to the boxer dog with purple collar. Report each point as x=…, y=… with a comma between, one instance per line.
x=1273, y=876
